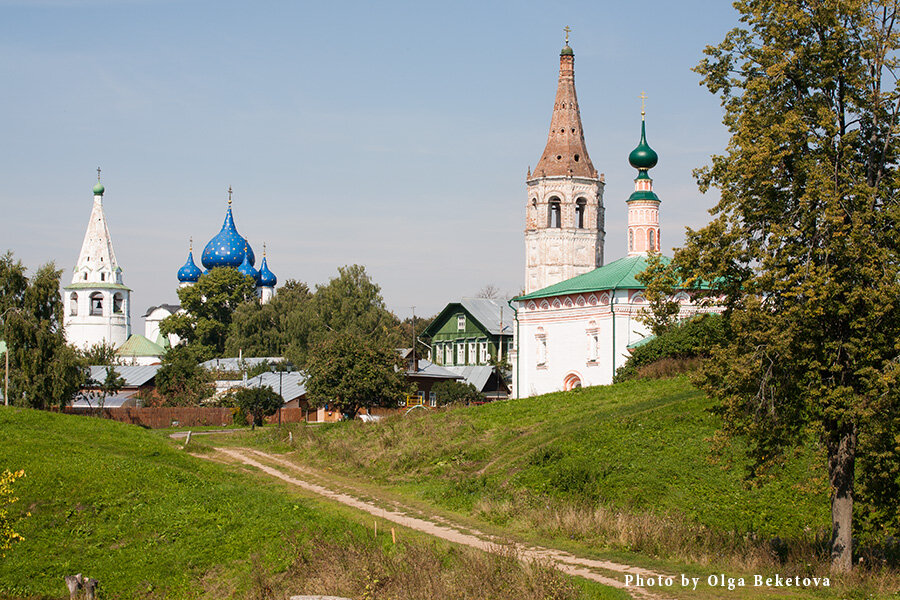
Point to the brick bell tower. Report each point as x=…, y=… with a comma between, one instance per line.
x=564, y=227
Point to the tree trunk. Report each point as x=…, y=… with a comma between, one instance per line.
x=841, y=443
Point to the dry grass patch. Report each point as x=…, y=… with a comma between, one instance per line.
x=363, y=568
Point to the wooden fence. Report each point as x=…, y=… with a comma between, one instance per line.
x=181, y=416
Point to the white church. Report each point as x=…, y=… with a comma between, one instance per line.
x=98, y=303
x=578, y=317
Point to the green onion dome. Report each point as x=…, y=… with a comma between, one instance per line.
x=643, y=157
x=99, y=189
x=567, y=51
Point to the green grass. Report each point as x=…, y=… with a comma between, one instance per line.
x=629, y=472
x=128, y=507
x=122, y=505
x=643, y=446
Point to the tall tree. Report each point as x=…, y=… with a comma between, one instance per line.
x=661, y=283
x=209, y=307
x=270, y=329
x=43, y=370
x=351, y=304
x=181, y=381
x=347, y=372
x=803, y=248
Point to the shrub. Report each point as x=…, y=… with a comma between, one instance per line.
x=258, y=403
x=690, y=339
x=448, y=392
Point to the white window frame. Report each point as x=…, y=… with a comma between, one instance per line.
x=483, y=356
x=439, y=354
x=473, y=353
x=460, y=322
x=432, y=399
x=460, y=353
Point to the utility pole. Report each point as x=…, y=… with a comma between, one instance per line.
x=6, y=374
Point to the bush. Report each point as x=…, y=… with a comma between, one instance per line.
x=680, y=346
x=258, y=403
x=448, y=392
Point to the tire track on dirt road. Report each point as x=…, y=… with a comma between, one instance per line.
x=564, y=561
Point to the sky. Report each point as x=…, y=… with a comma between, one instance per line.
x=395, y=135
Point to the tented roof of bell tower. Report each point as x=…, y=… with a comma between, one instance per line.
x=565, y=152
x=97, y=251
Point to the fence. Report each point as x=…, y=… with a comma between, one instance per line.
x=180, y=416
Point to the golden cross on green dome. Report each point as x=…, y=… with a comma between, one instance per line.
x=567, y=29
x=643, y=103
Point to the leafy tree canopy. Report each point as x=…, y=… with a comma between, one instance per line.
x=348, y=372
x=296, y=320
x=270, y=329
x=258, y=403
x=181, y=380
x=210, y=305
x=449, y=392
x=100, y=353
x=803, y=248
x=43, y=370
x=661, y=283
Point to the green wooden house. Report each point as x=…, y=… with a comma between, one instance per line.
x=468, y=336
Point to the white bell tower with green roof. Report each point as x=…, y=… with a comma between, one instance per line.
x=97, y=303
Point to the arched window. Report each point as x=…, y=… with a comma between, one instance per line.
x=555, y=213
x=580, y=207
x=73, y=304
x=630, y=240
x=651, y=240
x=97, y=304
x=118, y=303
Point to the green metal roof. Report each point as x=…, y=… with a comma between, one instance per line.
x=643, y=195
x=619, y=274
x=138, y=345
x=99, y=285
x=641, y=342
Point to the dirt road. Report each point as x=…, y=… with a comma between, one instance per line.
x=568, y=563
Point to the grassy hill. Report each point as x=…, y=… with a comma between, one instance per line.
x=128, y=507
x=632, y=466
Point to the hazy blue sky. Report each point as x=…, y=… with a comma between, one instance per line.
x=392, y=134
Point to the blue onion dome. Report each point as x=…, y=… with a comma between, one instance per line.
x=228, y=248
x=246, y=268
x=643, y=157
x=266, y=277
x=189, y=273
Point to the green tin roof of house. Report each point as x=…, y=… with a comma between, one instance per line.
x=100, y=285
x=138, y=345
x=619, y=274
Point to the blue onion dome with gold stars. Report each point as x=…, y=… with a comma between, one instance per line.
x=266, y=277
x=246, y=268
x=643, y=157
x=227, y=248
x=190, y=272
